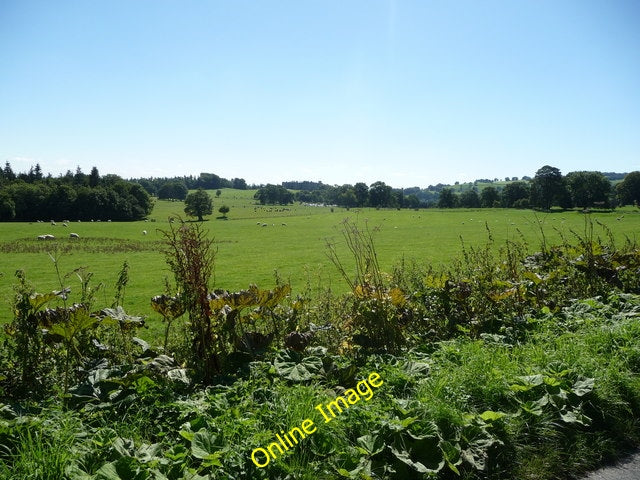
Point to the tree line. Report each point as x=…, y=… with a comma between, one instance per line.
x=177, y=188
x=32, y=196
x=549, y=188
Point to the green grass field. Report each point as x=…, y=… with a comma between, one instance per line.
x=292, y=243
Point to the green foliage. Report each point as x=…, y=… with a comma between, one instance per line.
x=224, y=210
x=378, y=312
x=274, y=195
x=447, y=198
x=50, y=345
x=64, y=198
x=503, y=364
x=175, y=190
x=628, y=190
x=589, y=189
x=198, y=204
x=189, y=254
x=549, y=188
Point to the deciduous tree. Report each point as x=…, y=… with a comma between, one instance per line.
x=513, y=192
x=628, y=190
x=588, y=189
x=447, y=199
x=198, y=204
x=548, y=188
x=489, y=197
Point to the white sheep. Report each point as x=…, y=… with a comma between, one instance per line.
x=144, y=232
x=74, y=235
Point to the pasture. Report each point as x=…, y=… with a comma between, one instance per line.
x=257, y=242
x=559, y=333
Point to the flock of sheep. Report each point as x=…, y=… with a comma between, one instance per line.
x=48, y=236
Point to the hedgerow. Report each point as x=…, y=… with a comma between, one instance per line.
x=503, y=365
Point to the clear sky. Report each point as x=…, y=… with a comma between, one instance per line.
x=410, y=92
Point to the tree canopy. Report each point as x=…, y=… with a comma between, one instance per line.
x=548, y=188
x=629, y=189
x=589, y=189
x=274, y=194
x=32, y=196
x=198, y=204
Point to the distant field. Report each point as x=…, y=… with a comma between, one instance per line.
x=293, y=243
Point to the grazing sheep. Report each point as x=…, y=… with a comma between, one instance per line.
x=144, y=232
x=65, y=224
x=74, y=235
x=41, y=237
x=48, y=236
x=53, y=224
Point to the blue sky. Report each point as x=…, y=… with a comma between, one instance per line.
x=408, y=92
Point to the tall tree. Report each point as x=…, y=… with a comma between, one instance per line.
x=175, y=190
x=628, y=191
x=198, y=204
x=589, y=188
x=447, y=198
x=273, y=194
x=94, y=177
x=380, y=195
x=209, y=181
x=80, y=178
x=469, y=199
x=8, y=172
x=239, y=183
x=513, y=192
x=361, y=191
x=489, y=197
x=548, y=188
x=37, y=172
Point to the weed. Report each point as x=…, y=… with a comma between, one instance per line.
x=376, y=320
x=190, y=256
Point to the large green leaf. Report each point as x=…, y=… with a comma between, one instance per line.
x=432, y=456
x=125, y=468
x=78, y=321
x=127, y=322
x=527, y=382
x=298, y=368
x=168, y=306
x=583, y=386
x=371, y=444
x=206, y=446
x=39, y=300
